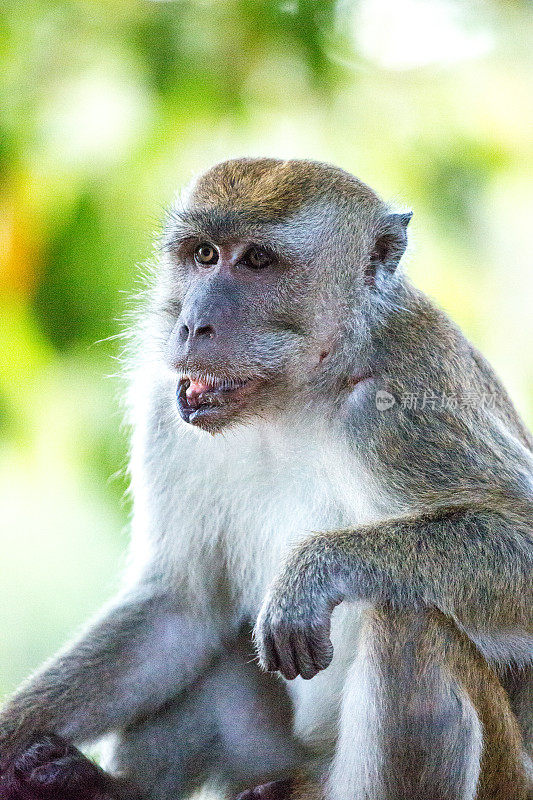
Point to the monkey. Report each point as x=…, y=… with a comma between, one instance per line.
x=310, y=477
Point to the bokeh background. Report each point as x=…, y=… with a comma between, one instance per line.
x=108, y=105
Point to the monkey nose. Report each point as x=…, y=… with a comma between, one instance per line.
x=191, y=339
x=187, y=332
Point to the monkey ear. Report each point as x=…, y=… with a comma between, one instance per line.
x=389, y=246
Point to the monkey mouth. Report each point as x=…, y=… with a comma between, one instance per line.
x=207, y=400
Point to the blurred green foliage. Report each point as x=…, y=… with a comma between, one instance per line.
x=107, y=107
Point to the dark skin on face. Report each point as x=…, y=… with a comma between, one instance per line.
x=204, y=397
x=231, y=312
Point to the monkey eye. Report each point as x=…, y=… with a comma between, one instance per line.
x=206, y=253
x=257, y=258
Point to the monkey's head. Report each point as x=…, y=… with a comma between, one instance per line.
x=272, y=268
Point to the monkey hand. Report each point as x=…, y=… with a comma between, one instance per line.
x=293, y=626
x=50, y=768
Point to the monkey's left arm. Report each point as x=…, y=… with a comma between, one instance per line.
x=474, y=564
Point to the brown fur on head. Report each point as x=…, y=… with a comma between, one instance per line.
x=269, y=189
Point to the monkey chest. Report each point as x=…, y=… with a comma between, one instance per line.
x=278, y=507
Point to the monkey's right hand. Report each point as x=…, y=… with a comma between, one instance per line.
x=293, y=626
x=49, y=768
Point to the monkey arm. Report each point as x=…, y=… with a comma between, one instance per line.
x=475, y=565
x=138, y=654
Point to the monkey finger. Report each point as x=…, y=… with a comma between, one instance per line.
x=287, y=665
x=78, y=779
x=42, y=750
x=268, y=655
x=303, y=656
x=321, y=652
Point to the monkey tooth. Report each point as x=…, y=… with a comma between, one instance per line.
x=200, y=384
x=201, y=392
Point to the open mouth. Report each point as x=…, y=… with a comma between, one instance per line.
x=207, y=398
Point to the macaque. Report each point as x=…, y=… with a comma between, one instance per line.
x=323, y=467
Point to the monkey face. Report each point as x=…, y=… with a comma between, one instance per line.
x=238, y=338
x=265, y=274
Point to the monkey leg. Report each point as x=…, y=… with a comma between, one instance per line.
x=50, y=768
x=424, y=717
x=232, y=729
x=505, y=769
x=518, y=683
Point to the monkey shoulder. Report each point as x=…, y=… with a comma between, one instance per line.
x=416, y=440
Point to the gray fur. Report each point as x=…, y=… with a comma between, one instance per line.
x=311, y=511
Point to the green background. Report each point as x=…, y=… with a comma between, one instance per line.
x=108, y=106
